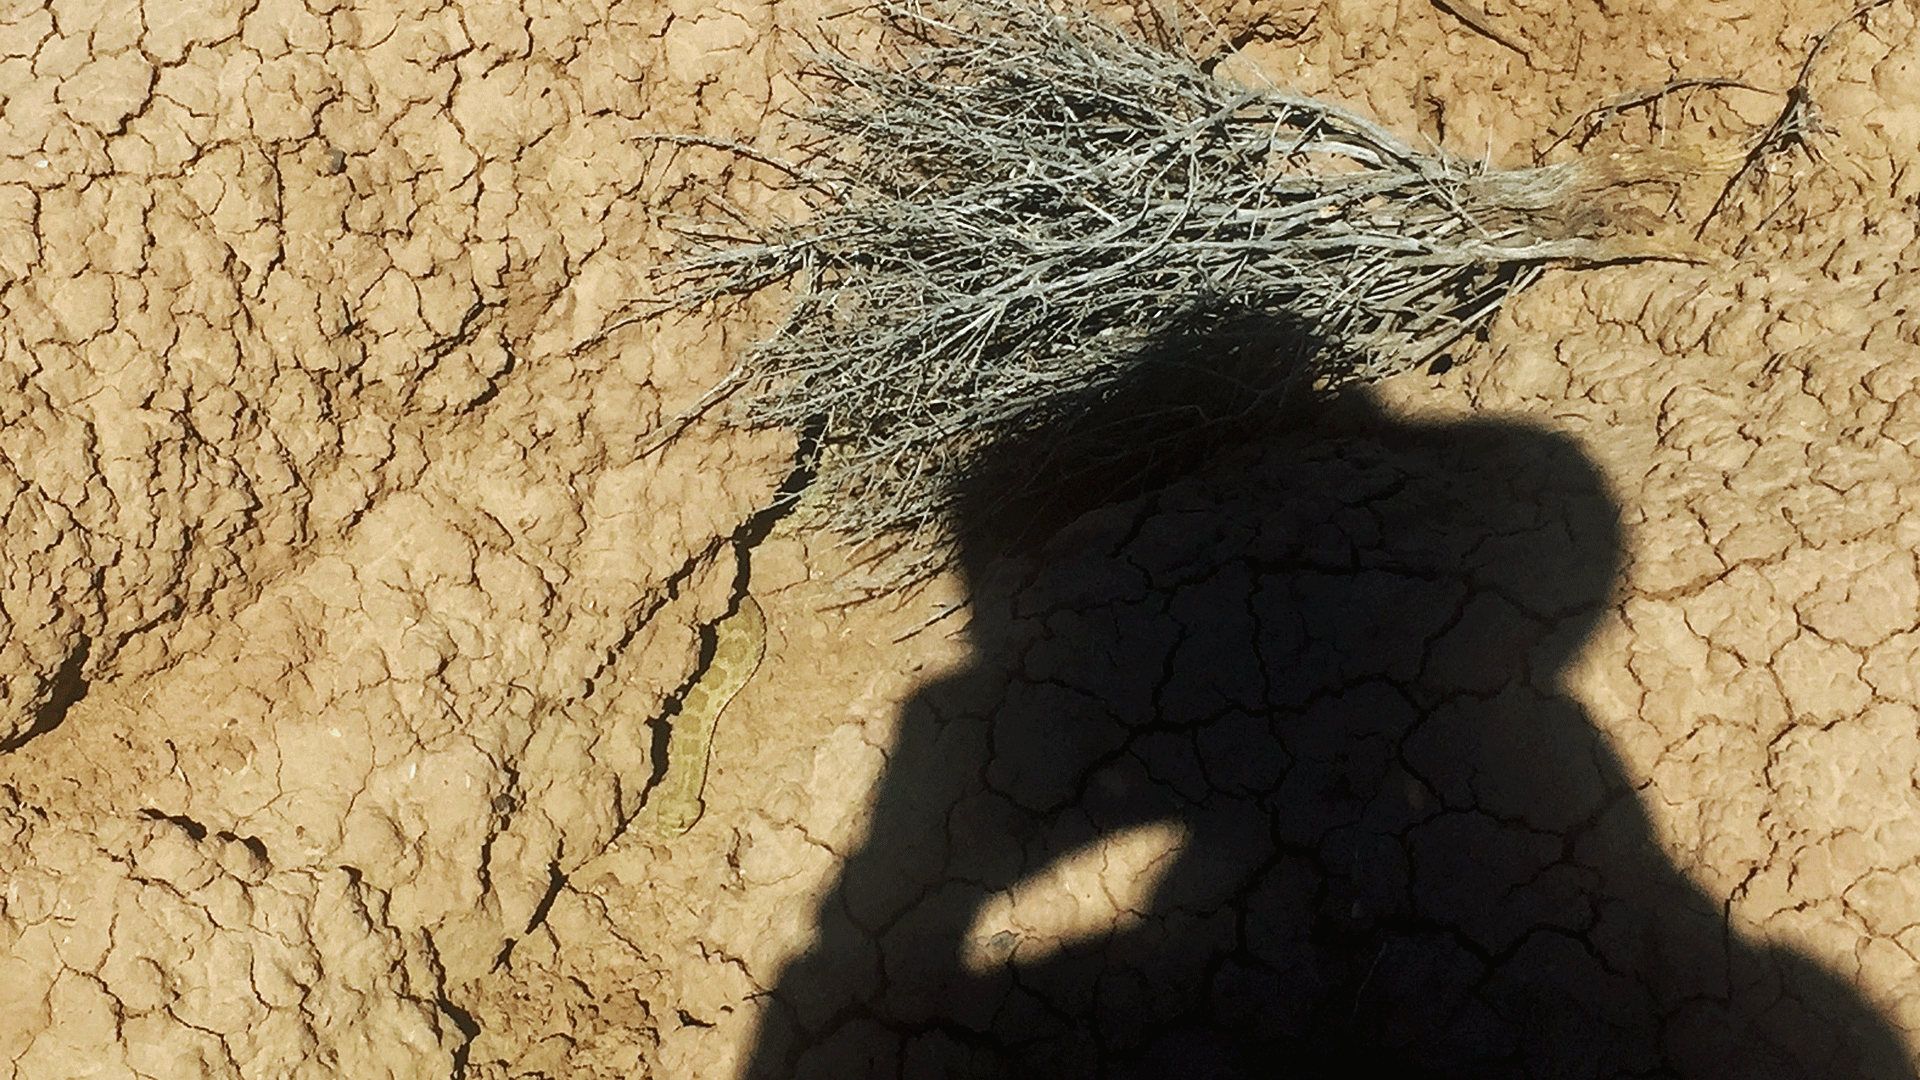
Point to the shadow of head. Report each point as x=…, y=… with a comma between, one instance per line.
x=1188, y=396
x=1226, y=420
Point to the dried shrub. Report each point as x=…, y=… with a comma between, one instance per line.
x=1020, y=205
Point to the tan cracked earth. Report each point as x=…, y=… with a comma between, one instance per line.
x=1554, y=716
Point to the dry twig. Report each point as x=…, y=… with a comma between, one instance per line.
x=1591, y=123
x=1795, y=128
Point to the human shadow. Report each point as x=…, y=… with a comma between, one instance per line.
x=1334, y=662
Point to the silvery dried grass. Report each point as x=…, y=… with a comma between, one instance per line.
x=1007, y=214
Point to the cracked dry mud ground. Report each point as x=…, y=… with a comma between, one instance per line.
x=1555, y=716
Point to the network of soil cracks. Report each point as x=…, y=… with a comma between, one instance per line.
x=1553, y=715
